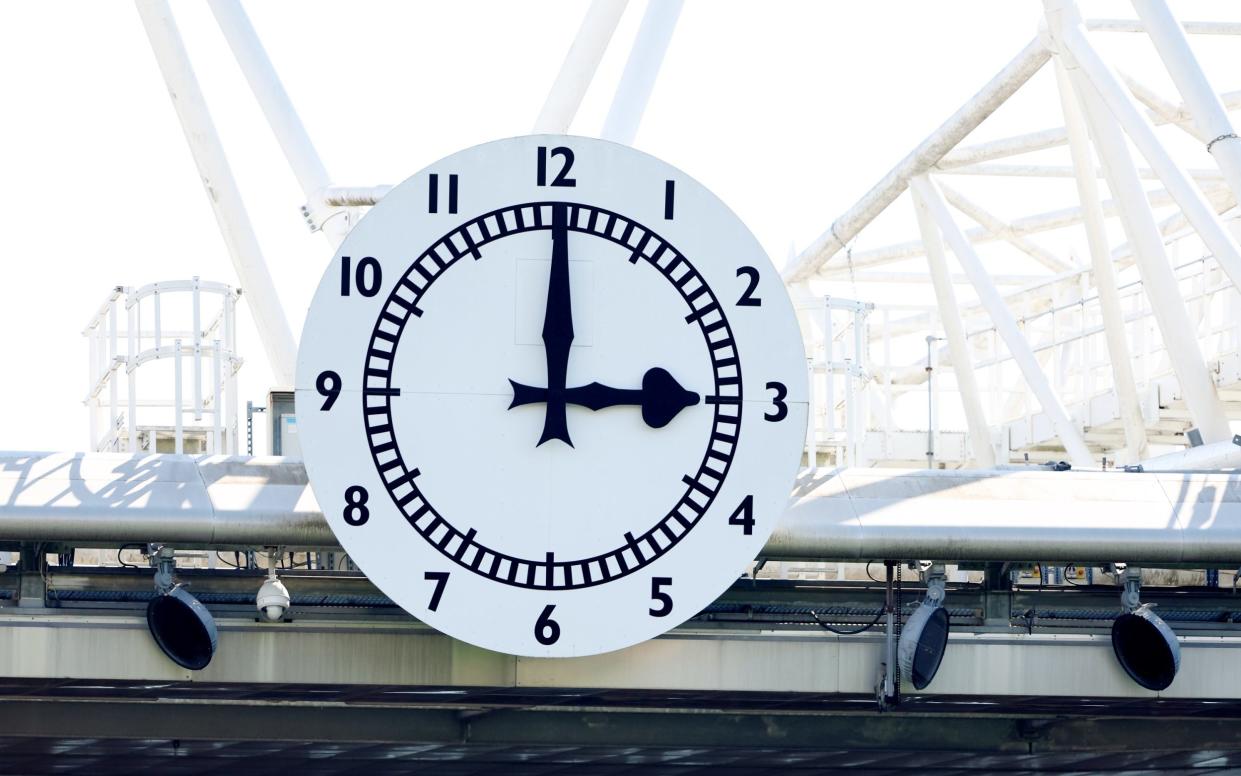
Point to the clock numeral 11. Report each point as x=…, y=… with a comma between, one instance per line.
x=433, y=193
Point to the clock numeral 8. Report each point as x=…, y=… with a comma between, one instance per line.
x=356, y=512
x=547, y=630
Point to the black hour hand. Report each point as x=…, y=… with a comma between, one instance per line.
x=661, y=397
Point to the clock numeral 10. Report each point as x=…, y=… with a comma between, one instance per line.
x=547, y=630
x=561, y=178
x=744, y=516
x=665, y=600
x=367, y=278
x=356, y=511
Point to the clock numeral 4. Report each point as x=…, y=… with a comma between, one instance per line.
x=440, y=578
x=743, y=516
x=328, y=386
x=748, y=299
x=781, y=409
x=665, y=600
x=356, y=512
x=547, y=630
x=367, y=278
x=562, y=178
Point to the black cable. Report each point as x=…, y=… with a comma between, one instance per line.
x=221, y=558
x=121, y=560
x=843, y=631
x=1068, y=578
x=872, y=576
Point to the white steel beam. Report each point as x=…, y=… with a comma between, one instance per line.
x=1193, y=28
x=281, y=116
x=641, y=69
x=1104, y=273
x=221, y=188
x=1160, y=106
x=1002, y=230
x=1005, y=324
x=1209, y=114
x=921, y=159
x=1062, y=171
x=954, y=331
x=1158, y=280
x=578, y=68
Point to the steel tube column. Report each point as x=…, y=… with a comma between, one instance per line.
x=1104, y=272
x=954, y=330
x=579, y=66
x=1209, y=114
x=1000, y=315
x=281, y=116
x=221, y=188
x=1158, y=279
x=645, y=58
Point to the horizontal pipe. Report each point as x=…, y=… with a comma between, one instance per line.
x=109, y=499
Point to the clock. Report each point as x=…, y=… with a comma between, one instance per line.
x=551, y=396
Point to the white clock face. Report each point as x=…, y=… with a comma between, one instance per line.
x=551, y=396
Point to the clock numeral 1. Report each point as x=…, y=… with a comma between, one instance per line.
x=561, y=178
x=367, y=278
x=747, y=296
x=547, y=630
x=356, y=511
x=441, y=581
x=665, y=600
x=744, y=516
x=670, y=193
x=433, y=193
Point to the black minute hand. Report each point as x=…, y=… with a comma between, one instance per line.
x=558, y=329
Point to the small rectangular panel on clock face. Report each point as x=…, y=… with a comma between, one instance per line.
x=530, y=305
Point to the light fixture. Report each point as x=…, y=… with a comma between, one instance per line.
x=1145, y=645
x=924, y=638
x=181, y=626
x=273, y=597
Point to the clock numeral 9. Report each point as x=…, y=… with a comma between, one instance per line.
x=328, y=386
x=748, y=299
x=744, y=516
x=560, y=179
x=440, y=578
x=547, y=630
x=665, y=600
x=781, y=409
x=367, y=278
x=356, y=511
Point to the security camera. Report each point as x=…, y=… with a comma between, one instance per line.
x=273, y=598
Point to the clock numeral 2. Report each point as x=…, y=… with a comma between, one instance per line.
x=433, y=193
x=547, y=630
x=440, y=578
x=561, y=178
x=367, y=278
x=744, y=516
x=747, y=296
x=782, y=410
x=356, y=511
x=665, y=600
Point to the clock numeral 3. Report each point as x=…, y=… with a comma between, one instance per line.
x=356, y=511
x=328, y=385
x=440, y=578
x=547, y=630
x=782, y=410
x=665, y=600
x=744, y=516
x=561, y=178
x=748, y=299
x=367, y=278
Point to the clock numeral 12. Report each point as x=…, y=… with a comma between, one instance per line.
x=440, y=578
x=744, y=516
x=561, y=178
x=547, y=630
x=665, y=600
x=367, y=278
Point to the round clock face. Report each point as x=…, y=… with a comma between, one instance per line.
x=551, y=396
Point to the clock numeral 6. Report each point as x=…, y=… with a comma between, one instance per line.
x=748, y=299
x=781, y=409
x=367, y=278
x=547, y=630
x=356, y=511
x=744, y=516
x=440, y=578
x=328, y=385
x=665, y=600
x=561, y=178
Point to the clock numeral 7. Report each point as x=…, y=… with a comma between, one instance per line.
x=367, y=278
x=561, y=178
x=547, y=630
x=665, y=600
x=440, y=578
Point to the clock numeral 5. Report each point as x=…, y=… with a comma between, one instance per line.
x=547, y=630
x=561, y=178
x=367, y=278
x=356, y=511
x=781, y=409
x=748, y=299
x=440, y=578
x=665, y=600
x=744, y=516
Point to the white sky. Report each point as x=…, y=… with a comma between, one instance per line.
x=788, y=110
